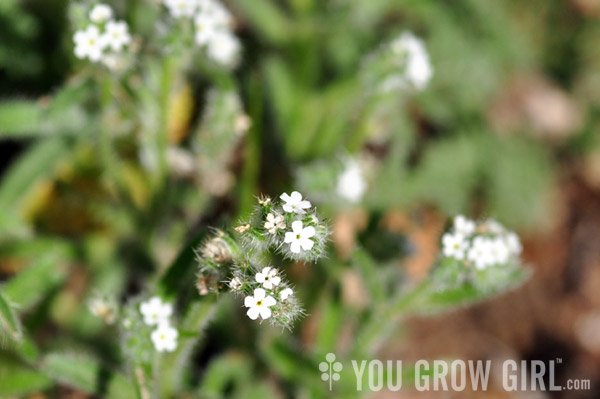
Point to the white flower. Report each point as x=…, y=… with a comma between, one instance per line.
x=259, y=304
x=181, y=8
x=88, y=44
x=206, y=29
x=294, y=203
x=274, y=223
x=102, y=309
x=284, y=294
x=164, y=338
x=299, y=237
x=351, y=183
x=114, y=62
x=493, y=226
x=514, y=244
x=224, y=48
x=464, y=225
x=235, y=283
x=499, y=250
x=155, y=311
x=418, y=70
x=116, y=35
x=101, y=13
x=481, y=253
x=268, y=277
x=216, y=11
x=455, y=245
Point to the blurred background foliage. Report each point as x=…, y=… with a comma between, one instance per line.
x=109, y=181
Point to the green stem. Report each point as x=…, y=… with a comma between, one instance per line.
x=384, y=321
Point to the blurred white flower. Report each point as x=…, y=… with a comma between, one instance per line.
x=499, y=250
x=294, y=203
x=216, y=11
x=268, y=277
x=493, y=226
x=103, y=309
x=455, y=245
x=181, y=8
x=235, y=283
x=513, y=243
x=206, y=29
x=351, y=183
x=286, y=293
x=464, y=225
x=101, y=13
x=274, y=223
x=155, y=311
x=259, y=304
x=300, y=237
x=164, y=338
x=418, y=70
x=481, y=253
x=88, y=44
x=116, y=35
x=224, y=48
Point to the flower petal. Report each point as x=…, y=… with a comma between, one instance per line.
x=297, y=227
x=265, y=312
x=308, y=232
x=259, y=294
x=253, y=313
x=307, y=244
x=270, y=301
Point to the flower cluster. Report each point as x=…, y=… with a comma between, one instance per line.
x=288, y=226
x=212, y=27
x=402, y=63
x=156, y=313
x=103, y=39
x=484, y=254
x=483, y=245
x=104, y=308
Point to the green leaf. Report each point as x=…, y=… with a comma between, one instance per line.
x=20, y=118
x=10, y=326
x=18, y=380
x=29, y=286
x=36, y=163
x=77, y=370
x=267, y=18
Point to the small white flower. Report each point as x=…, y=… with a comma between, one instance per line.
x=101, y=13
x=259, y=304
x=155, y=311
x=351, y=183
x=235, y=283
x=224, y=48
x=493, y=226
x=499, y=250
x=418, y=70
x=455, y=245
x=481, y=253
x=164, y=338
x=88, y=44
x=268, y=277
x=300, y=237
x=274, y=223
x=294, y=203
x=216, y=11
x=102, y=309
x=514, y=244
x=206, y=29
x=464, y=225
x=181, y=8
x=286, y=293
x=116, y=35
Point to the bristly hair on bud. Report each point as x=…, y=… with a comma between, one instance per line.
x=288, y=225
